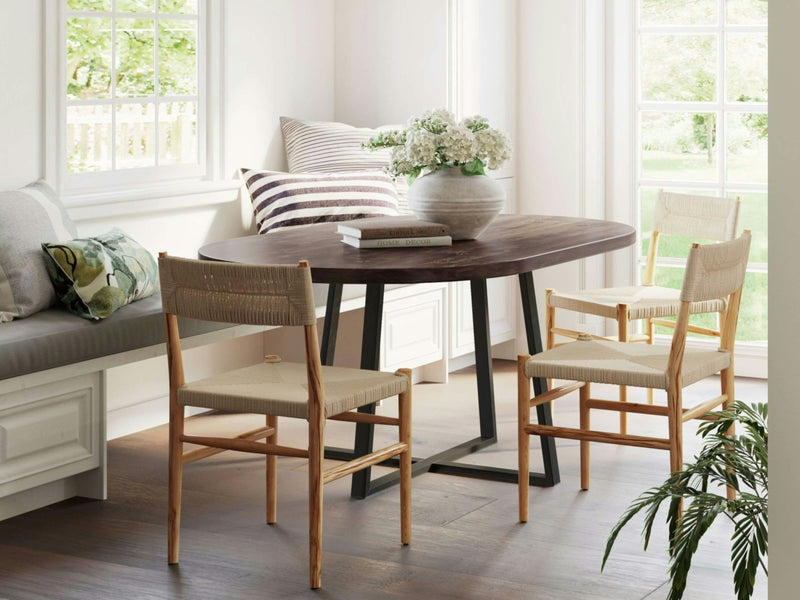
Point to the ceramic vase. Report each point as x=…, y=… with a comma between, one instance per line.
x=465, y=203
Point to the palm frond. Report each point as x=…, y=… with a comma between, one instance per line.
x=739, y=461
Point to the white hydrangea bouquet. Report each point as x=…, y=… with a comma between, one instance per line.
x=436, y=141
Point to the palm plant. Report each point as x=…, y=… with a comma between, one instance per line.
x=738, y=461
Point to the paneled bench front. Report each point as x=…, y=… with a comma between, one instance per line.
x=53, y=396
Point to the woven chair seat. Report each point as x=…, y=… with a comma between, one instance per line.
x=644, y=302
x=618, y=363
x=281, y=388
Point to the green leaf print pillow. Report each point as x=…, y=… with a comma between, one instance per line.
x=95, y=276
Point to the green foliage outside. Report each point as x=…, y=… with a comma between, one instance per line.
x=682, y=146
x=141, y=44
x=89, y=57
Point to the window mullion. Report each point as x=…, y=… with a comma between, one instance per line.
x=722, y=94
x=156, y=87
x=113, y=86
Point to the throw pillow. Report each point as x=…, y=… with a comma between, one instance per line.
x=329, y=147
x=95, y=276
x=28, y=217
x=286, y=199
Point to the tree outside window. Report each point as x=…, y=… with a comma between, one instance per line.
x=132, y=84
x=702, y=126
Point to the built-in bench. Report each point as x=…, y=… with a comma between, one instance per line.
x=52, y=395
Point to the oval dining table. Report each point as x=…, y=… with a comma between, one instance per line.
x=512, y=245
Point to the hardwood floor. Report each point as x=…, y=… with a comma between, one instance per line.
x=467, y=542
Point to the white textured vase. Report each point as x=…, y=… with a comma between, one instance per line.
x=465, y=203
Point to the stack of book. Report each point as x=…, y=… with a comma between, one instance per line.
x=393, y=232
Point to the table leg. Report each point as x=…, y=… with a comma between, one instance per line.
x=331, y=325
x=483, y=358
x=443, y=462
x=370, y=359
x=534, y=338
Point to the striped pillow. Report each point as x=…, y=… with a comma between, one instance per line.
x=284, y=199
x=328, y=147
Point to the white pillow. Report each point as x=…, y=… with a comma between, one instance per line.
x=330, y=147
x=28, y=217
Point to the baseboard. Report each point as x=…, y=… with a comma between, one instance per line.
x=88, y=485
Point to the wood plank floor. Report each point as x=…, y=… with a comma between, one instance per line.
x=467, y=542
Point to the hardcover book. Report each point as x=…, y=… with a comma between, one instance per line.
x=401, y=242
x=391, y=227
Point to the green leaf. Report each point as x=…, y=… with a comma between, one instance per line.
x=412, y=175
x=473, y=167
x=737, y=460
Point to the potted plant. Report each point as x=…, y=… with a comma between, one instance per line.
x=445, y=162
x=739, y=461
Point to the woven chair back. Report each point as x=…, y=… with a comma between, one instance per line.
x=715, y=270
x=237, y=293
x=703, y=217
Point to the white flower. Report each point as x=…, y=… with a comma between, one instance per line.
x=475, y=123
x=421, y=147
x=458, y=145
x=492, y=147
x=434, y=141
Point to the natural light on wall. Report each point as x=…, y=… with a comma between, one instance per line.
x=132, y=87
x=702, y=127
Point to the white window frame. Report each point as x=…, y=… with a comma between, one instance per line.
x=623, y=150
x=93, y=193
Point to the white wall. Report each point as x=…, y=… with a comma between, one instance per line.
x=391, y=60
x=279, y=62
x=548, y=164
x=20, y=94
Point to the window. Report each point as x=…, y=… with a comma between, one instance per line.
x=701, y=126
x=133, y=99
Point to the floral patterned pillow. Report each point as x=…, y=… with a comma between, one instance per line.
x=95, y=276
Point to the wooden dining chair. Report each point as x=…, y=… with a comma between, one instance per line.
x=712, y=271
x=272, y=295
x=706, y=218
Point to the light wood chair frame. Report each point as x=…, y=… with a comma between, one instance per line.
x=249, y=442
x=675, y=412
x=623, y=318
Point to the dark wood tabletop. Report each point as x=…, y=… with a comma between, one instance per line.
x=511, y=245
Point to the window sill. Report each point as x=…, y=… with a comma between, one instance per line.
x=174, y=196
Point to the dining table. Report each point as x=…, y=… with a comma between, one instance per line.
x=512, y=245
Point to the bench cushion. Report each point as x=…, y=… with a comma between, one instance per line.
x=56, y=337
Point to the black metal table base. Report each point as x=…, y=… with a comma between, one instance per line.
x=442, y=462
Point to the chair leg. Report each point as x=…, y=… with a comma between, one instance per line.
x=523, y=419
x=622, y=325
x=404, y=410
x=272, y=473
x=316, y=428
x=175, y=482
x=674, y=404
x=727, y=387
x=550, y=336
x=585, y=426
x=650, y=329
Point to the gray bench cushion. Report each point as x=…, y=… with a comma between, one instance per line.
x=55, y=337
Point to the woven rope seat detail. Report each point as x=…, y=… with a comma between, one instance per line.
x=637, y=365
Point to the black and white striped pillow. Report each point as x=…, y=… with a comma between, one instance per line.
x=287, y=199
x=329, y=147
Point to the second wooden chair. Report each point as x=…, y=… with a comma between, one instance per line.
x=712, y=271
x=706, y=218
